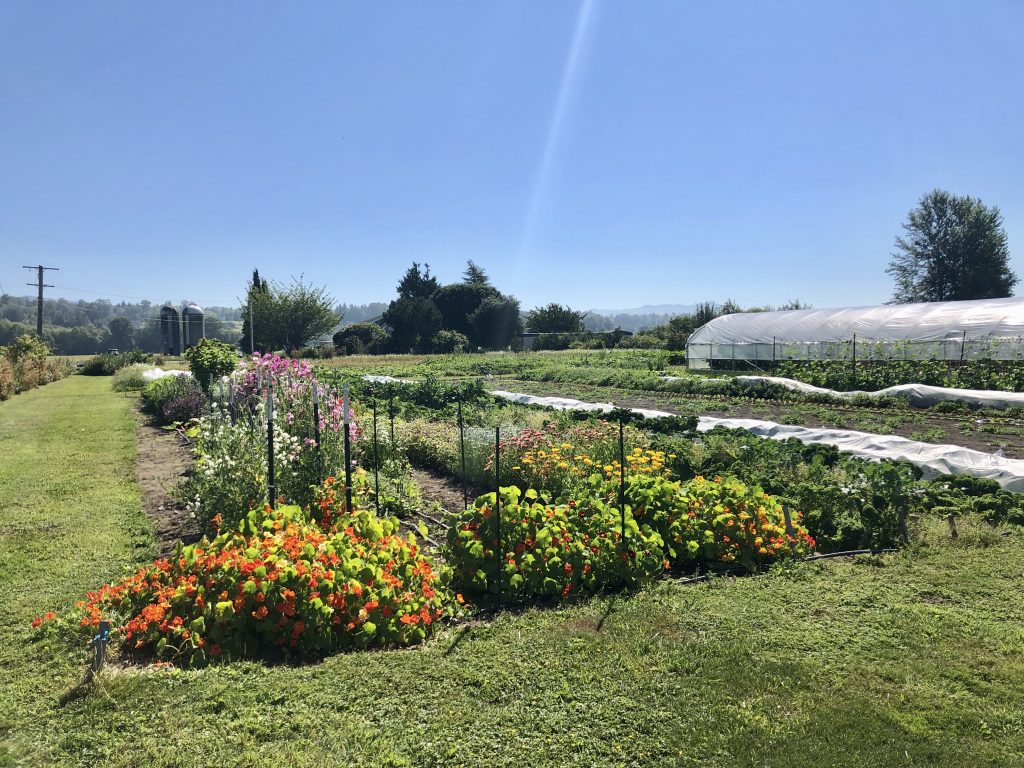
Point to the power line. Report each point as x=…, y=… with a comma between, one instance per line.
x=40, y=285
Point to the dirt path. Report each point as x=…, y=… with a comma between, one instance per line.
x=163, y=462
x=439, y=488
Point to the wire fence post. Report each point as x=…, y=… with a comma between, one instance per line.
x=271, y=485
x=855, y=358
x=622, y=483
x=789, y=528
x=348, y=449
x=316, y=430
x=497, y=505
x=391, y=416
x=376, y=459
x=963, y=343
x=462, y=452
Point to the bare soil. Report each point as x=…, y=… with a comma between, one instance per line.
x=442, y=489
x=163, y=463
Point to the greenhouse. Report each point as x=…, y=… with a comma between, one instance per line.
x=942, y=330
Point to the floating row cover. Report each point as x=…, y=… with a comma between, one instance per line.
x=191, y=328
x=949, y=330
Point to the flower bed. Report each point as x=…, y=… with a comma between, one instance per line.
x=281, y=583
x=576, y=547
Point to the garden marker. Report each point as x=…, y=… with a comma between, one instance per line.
x=348, y=448
x=99, y=646
x=271, y=487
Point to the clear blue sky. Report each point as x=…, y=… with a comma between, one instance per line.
x=598, y=154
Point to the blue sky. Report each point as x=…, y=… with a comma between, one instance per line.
x=597, y=154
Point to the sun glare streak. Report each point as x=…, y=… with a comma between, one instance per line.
x=565, y=90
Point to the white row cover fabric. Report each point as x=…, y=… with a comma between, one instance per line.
x=932, y=459
x=927, y=321
x=921, y=395
x=569, y=404
x=159, y=373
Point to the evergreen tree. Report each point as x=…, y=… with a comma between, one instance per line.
x=475, y=275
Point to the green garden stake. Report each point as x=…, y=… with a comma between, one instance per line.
x=348, y=448
x=622, y=482
x=391, y=415
x=271, y=485
x=316, y=427
x=462, y=451
x=376, y=459
x=497, y=503
x=789, y=528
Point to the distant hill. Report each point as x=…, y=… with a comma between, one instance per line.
x=648, y=309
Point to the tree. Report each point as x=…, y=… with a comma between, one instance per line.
x=121, y=333
x=554, y=318
x=285, y=317
x=496, y=322
x=257, y=298
x=413, y=322
x=954, y=248
x=458, y=301
x=475, y=275
x=361, y=338
x=417, y=284
x=301, y=312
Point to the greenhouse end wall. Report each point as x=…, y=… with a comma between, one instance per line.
x=946, y=330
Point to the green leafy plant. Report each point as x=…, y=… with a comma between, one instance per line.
x=280, y=584
x=210, y=359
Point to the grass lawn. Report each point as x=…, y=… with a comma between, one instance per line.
x=908, y=660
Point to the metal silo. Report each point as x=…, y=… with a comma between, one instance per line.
x=193, y=325
x=170, y=330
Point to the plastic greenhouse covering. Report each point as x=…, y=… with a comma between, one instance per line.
x=942, y=330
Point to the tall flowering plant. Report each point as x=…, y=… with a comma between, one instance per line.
x=231, y=474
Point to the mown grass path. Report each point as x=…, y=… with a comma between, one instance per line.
x=909, y=660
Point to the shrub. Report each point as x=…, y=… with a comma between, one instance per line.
x=184, y=408
x=100, y=365
x=160, y=392
x=108, y=363
x=210, y=359
x=280, y=584
x=6, y=379
x=448, y=342
x=130, y=378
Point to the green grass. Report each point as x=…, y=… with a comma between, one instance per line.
x=910, y=660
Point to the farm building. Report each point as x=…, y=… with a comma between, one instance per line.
x=942, y=330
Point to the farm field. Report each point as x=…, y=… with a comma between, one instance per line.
x=630, y=378
x=911, y=658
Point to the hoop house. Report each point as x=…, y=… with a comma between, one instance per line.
x=941, y=330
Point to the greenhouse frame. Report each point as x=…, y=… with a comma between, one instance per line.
x=941, y=330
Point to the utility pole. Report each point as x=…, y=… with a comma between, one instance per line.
x=39, y=304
